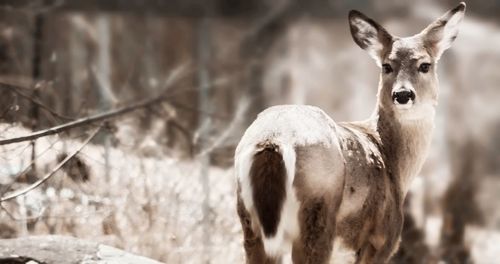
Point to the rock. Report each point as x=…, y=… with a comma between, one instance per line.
x=64, y=250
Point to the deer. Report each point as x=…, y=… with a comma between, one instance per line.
x=310, y=190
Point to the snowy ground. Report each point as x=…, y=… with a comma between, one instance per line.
x=152, y=205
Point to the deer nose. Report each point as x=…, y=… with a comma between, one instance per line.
x=403, y=96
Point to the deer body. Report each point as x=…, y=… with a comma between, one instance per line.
x=326, y=192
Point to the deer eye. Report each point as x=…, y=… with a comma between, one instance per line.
x=386, y=68
x=424, y=67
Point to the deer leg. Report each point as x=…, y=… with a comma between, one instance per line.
x=254, y=248
x=317, y=230
x=366, y=254
x=389, y=247
x=384, y=243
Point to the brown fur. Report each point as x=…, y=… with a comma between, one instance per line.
x=372, y=231
x=318, y=205
x=268, y=178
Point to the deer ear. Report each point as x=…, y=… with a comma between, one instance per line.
x=439, y=35
x=369, y=35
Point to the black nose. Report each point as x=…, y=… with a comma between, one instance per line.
x=403, y=96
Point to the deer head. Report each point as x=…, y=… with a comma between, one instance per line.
x=408, y=86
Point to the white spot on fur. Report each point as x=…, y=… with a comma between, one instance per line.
x=370, y=149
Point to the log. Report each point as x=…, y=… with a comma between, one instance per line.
x=63, y=250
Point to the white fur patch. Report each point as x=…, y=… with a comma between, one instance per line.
x=242, y=164
x=403, y=106
x=288, y=227
x=341, y=254
x=417, y=112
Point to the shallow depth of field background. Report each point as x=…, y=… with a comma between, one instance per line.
x=158, y=182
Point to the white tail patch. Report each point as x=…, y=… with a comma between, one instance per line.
x=288, y=227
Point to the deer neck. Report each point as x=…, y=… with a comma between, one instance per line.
x=404, y=143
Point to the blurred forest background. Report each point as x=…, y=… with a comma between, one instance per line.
x=158, y=182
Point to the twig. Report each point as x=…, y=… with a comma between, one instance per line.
x=194, y=109
x=52, y=172
x=23, y=171
x=15, y=89
x=223, y=138
x=172, y=120
x=14, y=218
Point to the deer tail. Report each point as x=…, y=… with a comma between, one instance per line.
x=268, y=179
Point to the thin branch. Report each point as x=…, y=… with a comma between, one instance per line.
x=9, y=214
x=26, y=168
x=16, y=90
x=84, y=121
x=99, y=117
x=52, y=172
x=19, y=81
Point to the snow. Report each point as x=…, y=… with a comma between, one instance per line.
x=151, y=205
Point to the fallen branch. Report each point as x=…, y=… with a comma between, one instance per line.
x=176, y=74
x=52, y=172
x=84, y=121
x=100, y=117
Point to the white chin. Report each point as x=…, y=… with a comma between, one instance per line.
x=411, y=111
x=403, y=106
